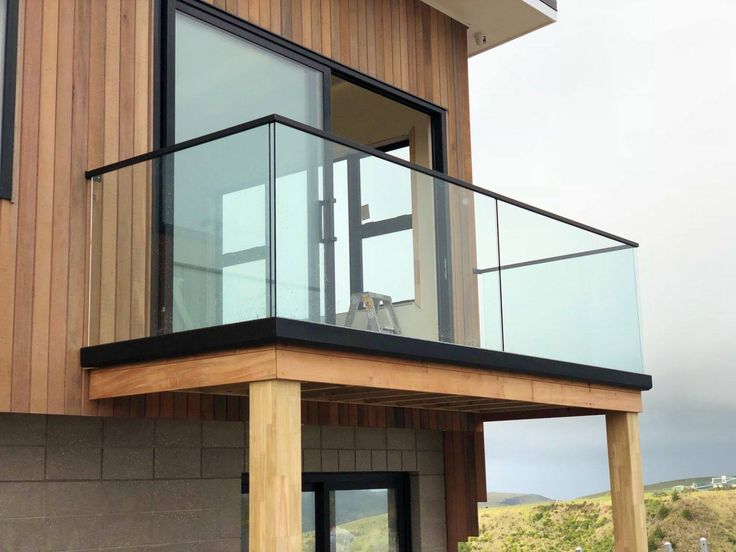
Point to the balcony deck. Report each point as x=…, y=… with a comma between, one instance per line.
x=523, y=310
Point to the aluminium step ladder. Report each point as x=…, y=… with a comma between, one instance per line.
x=374, y=304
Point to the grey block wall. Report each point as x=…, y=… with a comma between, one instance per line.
x=75, y=483
x=81, y=483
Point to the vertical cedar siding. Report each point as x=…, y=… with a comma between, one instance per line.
x=84, y=98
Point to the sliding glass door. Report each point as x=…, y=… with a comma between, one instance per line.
x=215, y=260
x=345, y=512
x=341, y=219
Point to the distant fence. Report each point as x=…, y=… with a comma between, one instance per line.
x=704, y=547
x=667, y=547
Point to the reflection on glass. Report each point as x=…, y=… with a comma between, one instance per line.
x=385, y=190
x=364, y=520
x=390, y=250
x=299, y=226
x=219, y=230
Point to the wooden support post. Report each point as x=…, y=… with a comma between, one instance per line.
x=275, y=517
x=627, y=486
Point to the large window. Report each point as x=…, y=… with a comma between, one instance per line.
x=223, y=80
x=344, y=512
x=8, y=47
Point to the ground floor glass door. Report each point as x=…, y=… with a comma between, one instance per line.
x=347, y=512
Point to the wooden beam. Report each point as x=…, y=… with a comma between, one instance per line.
x=365, y=379
x=505, y=416
x=184, y=374
x=337, y=367
x=627, y=486
x=275, y=504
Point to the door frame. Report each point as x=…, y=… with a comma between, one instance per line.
x=164, y=135
x=322, y=483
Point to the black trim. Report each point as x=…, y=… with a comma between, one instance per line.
x=7, y=132
x=322, y=484
x=356, y=146
x=386, y=226
x=280, y=330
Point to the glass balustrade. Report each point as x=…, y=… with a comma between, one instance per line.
x=279, y=220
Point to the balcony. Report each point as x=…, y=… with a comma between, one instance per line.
x=273, y=230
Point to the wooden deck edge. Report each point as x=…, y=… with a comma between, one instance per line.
x=349, y=369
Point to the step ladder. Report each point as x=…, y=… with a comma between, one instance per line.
x=374, y=304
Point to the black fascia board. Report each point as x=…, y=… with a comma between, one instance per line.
x=268, y=331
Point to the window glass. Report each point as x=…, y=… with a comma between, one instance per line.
x=223, y=80
x=385, y=189
x=244, y=219
x=388, y=265
x=363, y=520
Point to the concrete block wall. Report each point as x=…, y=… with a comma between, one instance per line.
x=93, y=484
x=79, y=483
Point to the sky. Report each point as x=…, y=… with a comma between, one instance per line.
x=622, y=115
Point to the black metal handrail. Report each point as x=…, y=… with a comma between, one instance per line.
x=272, y=119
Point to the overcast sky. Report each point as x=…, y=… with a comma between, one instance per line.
x=622, y=115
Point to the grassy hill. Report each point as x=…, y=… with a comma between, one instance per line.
x=681, y=518
x=496, y=500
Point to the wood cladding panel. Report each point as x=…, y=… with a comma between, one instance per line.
x=84, y=98
x=465, y=483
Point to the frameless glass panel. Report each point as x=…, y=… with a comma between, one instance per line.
x=244, y=292
x=579, y=305
x=363, y=520
x=382, y=259
x=309, y=521
x=299, y=224
x=528, y=236
x=244, y=218
x=219, y=230
x=224, y=80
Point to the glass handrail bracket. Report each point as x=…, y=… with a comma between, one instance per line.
x=281, y=221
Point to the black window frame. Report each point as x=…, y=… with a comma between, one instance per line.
x=164, y=135
x=321, y=484
x=9, y=69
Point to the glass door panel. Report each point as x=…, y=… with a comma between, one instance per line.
x=223, y=80
x=364, y=519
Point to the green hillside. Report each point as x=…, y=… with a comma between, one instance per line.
x=496, y=500
x=681, y=518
